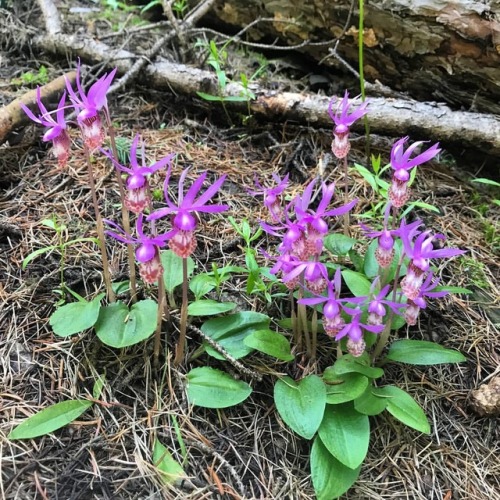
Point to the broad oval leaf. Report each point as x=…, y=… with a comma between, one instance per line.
x=330, y=477
x=338, y=243
x=371, y=402
x=201, y=284
x=348, y=364
x=271, y=343
x=209, y=307
x=230, y=332
x=172, y=264
x=346, y=434
x=50, y=419
x=211, y=388
x=75, y=317
x=119, y=327
x=345, y=387
x=357, y=283
x=422, y=352
x=403, y=407
x=301, y=405
x=170, y=470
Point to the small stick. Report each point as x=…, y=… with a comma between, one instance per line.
x=230, y=359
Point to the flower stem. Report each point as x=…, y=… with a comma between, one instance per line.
x=125, y=214
x=179, y=352
x=100, y=230
x=159, y=321
x=346, y=197
x=384, y=336
x=314, y=331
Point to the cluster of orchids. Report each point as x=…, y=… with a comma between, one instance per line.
x=92, y=112
x=302, y=226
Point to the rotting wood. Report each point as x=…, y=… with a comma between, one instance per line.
x=436, y=50
x=394, y=117
x=12, y=116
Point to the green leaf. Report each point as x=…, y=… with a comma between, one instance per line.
x=346, y=434
x=172, y=264
x=201, y=284
x=422, y=352
x=208, y=307
x=98, y=386
x=120, y=287
x=230, y=332
x=345, y=387
x=271, y=343
x=35, y=254
x=371, y=402
x=119, y=327
x=330, y=477
x=209, y=97
x=339, y=244
x=75, y=317
x=50, y=419
x=482, y=180
x=452, y=289
x=403, y=407
x=367, y=175
x=213, y=388
x=357, y=283
x=171, y=471
x=397, y=322
x=357, y=260
x=371, y=265
x=348, y=364
x=301, y=405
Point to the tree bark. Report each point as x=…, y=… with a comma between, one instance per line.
x=433, y=49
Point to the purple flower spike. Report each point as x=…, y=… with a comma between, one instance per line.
x=376, y=309
x=402, y=163
x=272, y=196
x=333, y=306
x=343, y=121
x=88, y=105
x=183, y=242
x=414, y=306
x=354, y=330
x=314, y=220
x=147, y=253
x=137, y=196
x=57, y=132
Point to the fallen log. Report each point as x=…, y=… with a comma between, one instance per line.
x=447, y=51
x=12, y=116
x=394, y=117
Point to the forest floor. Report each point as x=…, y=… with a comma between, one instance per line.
x=245, y=451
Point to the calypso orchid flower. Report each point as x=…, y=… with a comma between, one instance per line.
x=183, y=241
x=137, y=195
x=147, y=252
x=272, y=195
x=314, y=272
x=314, y=220
x=420, y=251
x=377, y=303
x=402, y=163
x=343, y=121
x=412, y=311
x=89, y=105
x=354, y=330
x=57, y=132
x=333, y=322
